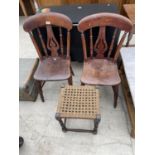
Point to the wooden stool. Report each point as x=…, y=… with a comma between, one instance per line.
x=78, y=102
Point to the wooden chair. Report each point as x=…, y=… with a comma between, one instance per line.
x=54, y=64
x=100, y=64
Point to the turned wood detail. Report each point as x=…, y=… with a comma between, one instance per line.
x=68, y=44
x=102, y=21
x=84, y=46
x=52, y=43
x=119, y=47
x=61, y=41
x=112, y=42
x=91, y=43
x=47, y=20
x=101, y=45
x=42, y=42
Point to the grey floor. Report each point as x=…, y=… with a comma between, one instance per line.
x=43, y=135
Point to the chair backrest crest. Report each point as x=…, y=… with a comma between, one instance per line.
x=103, y=20
x=48, y=20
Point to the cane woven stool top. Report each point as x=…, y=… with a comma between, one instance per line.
x=78, y=102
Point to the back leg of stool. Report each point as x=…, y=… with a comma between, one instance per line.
x=70, y=81
x=82, y=84
x=96, y=123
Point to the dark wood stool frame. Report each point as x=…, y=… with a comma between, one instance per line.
x=78, y=102
x=65, y=129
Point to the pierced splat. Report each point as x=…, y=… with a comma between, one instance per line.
x=52, y=43
x=101, y=44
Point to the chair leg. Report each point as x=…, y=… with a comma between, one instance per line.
x=72, y=72
x=115, y=90
x=40, y=90
x=96, y=123
x=70, y=81
x=82, y=84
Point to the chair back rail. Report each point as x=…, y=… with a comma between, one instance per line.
x=39, y=20
x=112, y=42
x=42, y=42
x=48, y=20
x=91, y=43
x=61, y=41
x=103, y=20
x=68, y=44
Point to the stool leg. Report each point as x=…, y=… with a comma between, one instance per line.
x=57, y=116
x=82, y=84
x=40, y=90
x=115, y=90
x=96, y=123
x=70, y=81
x=72, y=70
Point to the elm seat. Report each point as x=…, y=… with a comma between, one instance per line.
x=103, y=72
x=53, y=69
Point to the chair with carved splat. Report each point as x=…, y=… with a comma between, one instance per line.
x=54, y=64
x=100, y=64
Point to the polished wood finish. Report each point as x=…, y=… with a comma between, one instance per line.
x=40, y=19
x=100, y=72
x=53, y=65
x=51, y=69
x=129, y=10
x=100, y=68
x=105, y=19
x=112, y=43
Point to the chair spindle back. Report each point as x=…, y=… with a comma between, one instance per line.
x=103, y=20
x=48, y=20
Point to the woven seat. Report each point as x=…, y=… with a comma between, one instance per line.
x=78, y=102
